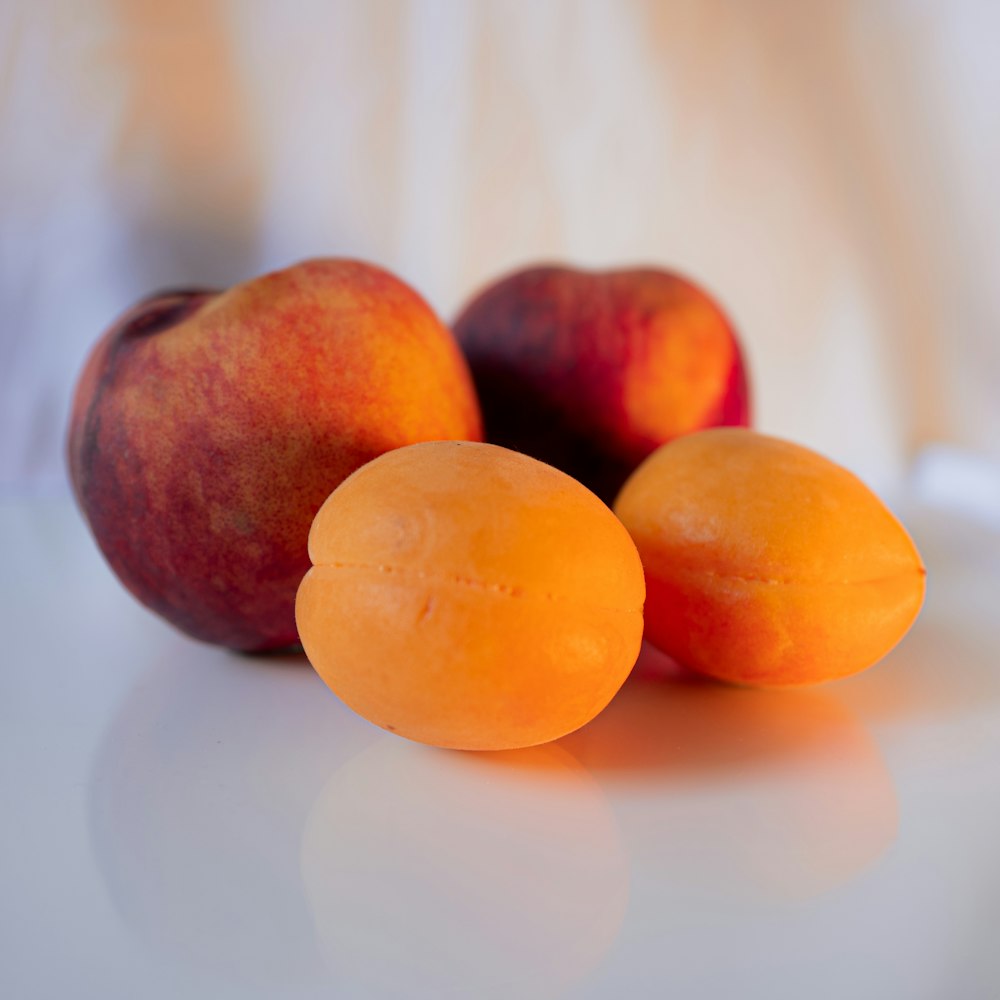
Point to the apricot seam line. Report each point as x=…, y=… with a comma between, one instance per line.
x=506, y=590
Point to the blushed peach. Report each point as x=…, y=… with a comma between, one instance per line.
x=592, y=371
x=208, y=428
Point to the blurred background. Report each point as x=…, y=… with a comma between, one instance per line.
x=828, y=168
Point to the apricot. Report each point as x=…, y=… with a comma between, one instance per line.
x=767, y=564
x=472, y=597
x=592, y=371
x=208, y=428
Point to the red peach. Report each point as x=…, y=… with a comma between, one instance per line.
x=208, y=428
x=591, y=371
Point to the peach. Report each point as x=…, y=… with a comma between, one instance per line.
x=593, y=371
x=468, y=596
x=767, y=564
x=208, y=428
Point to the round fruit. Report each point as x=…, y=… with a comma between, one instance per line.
x=468, y=596
x=208, y=428
x=767, y=563
x=592, y=371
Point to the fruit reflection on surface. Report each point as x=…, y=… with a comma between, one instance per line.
x=463, y=875
x=751, y=793
x=766, y=563
x=592, y=371
x=469, y=596
x=208, y=427
x=197, y=800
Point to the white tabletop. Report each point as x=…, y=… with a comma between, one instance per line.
x=180, y=821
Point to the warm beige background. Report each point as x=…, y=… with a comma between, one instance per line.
x=829, y=168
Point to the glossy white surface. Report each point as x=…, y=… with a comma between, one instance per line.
x=184, y=822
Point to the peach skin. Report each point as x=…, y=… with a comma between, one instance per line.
x=592, y=371
x=208, y=428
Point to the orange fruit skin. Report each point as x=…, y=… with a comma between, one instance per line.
x=767, y=564
x=468, y=596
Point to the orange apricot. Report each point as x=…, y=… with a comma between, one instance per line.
x=472, y=597
x=767, y=564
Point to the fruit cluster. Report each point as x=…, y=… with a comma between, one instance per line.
x=459, y=593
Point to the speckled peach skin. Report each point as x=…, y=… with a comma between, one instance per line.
x=592, y=371
x=208, y=428
x=767, y=564
x=468, y=596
